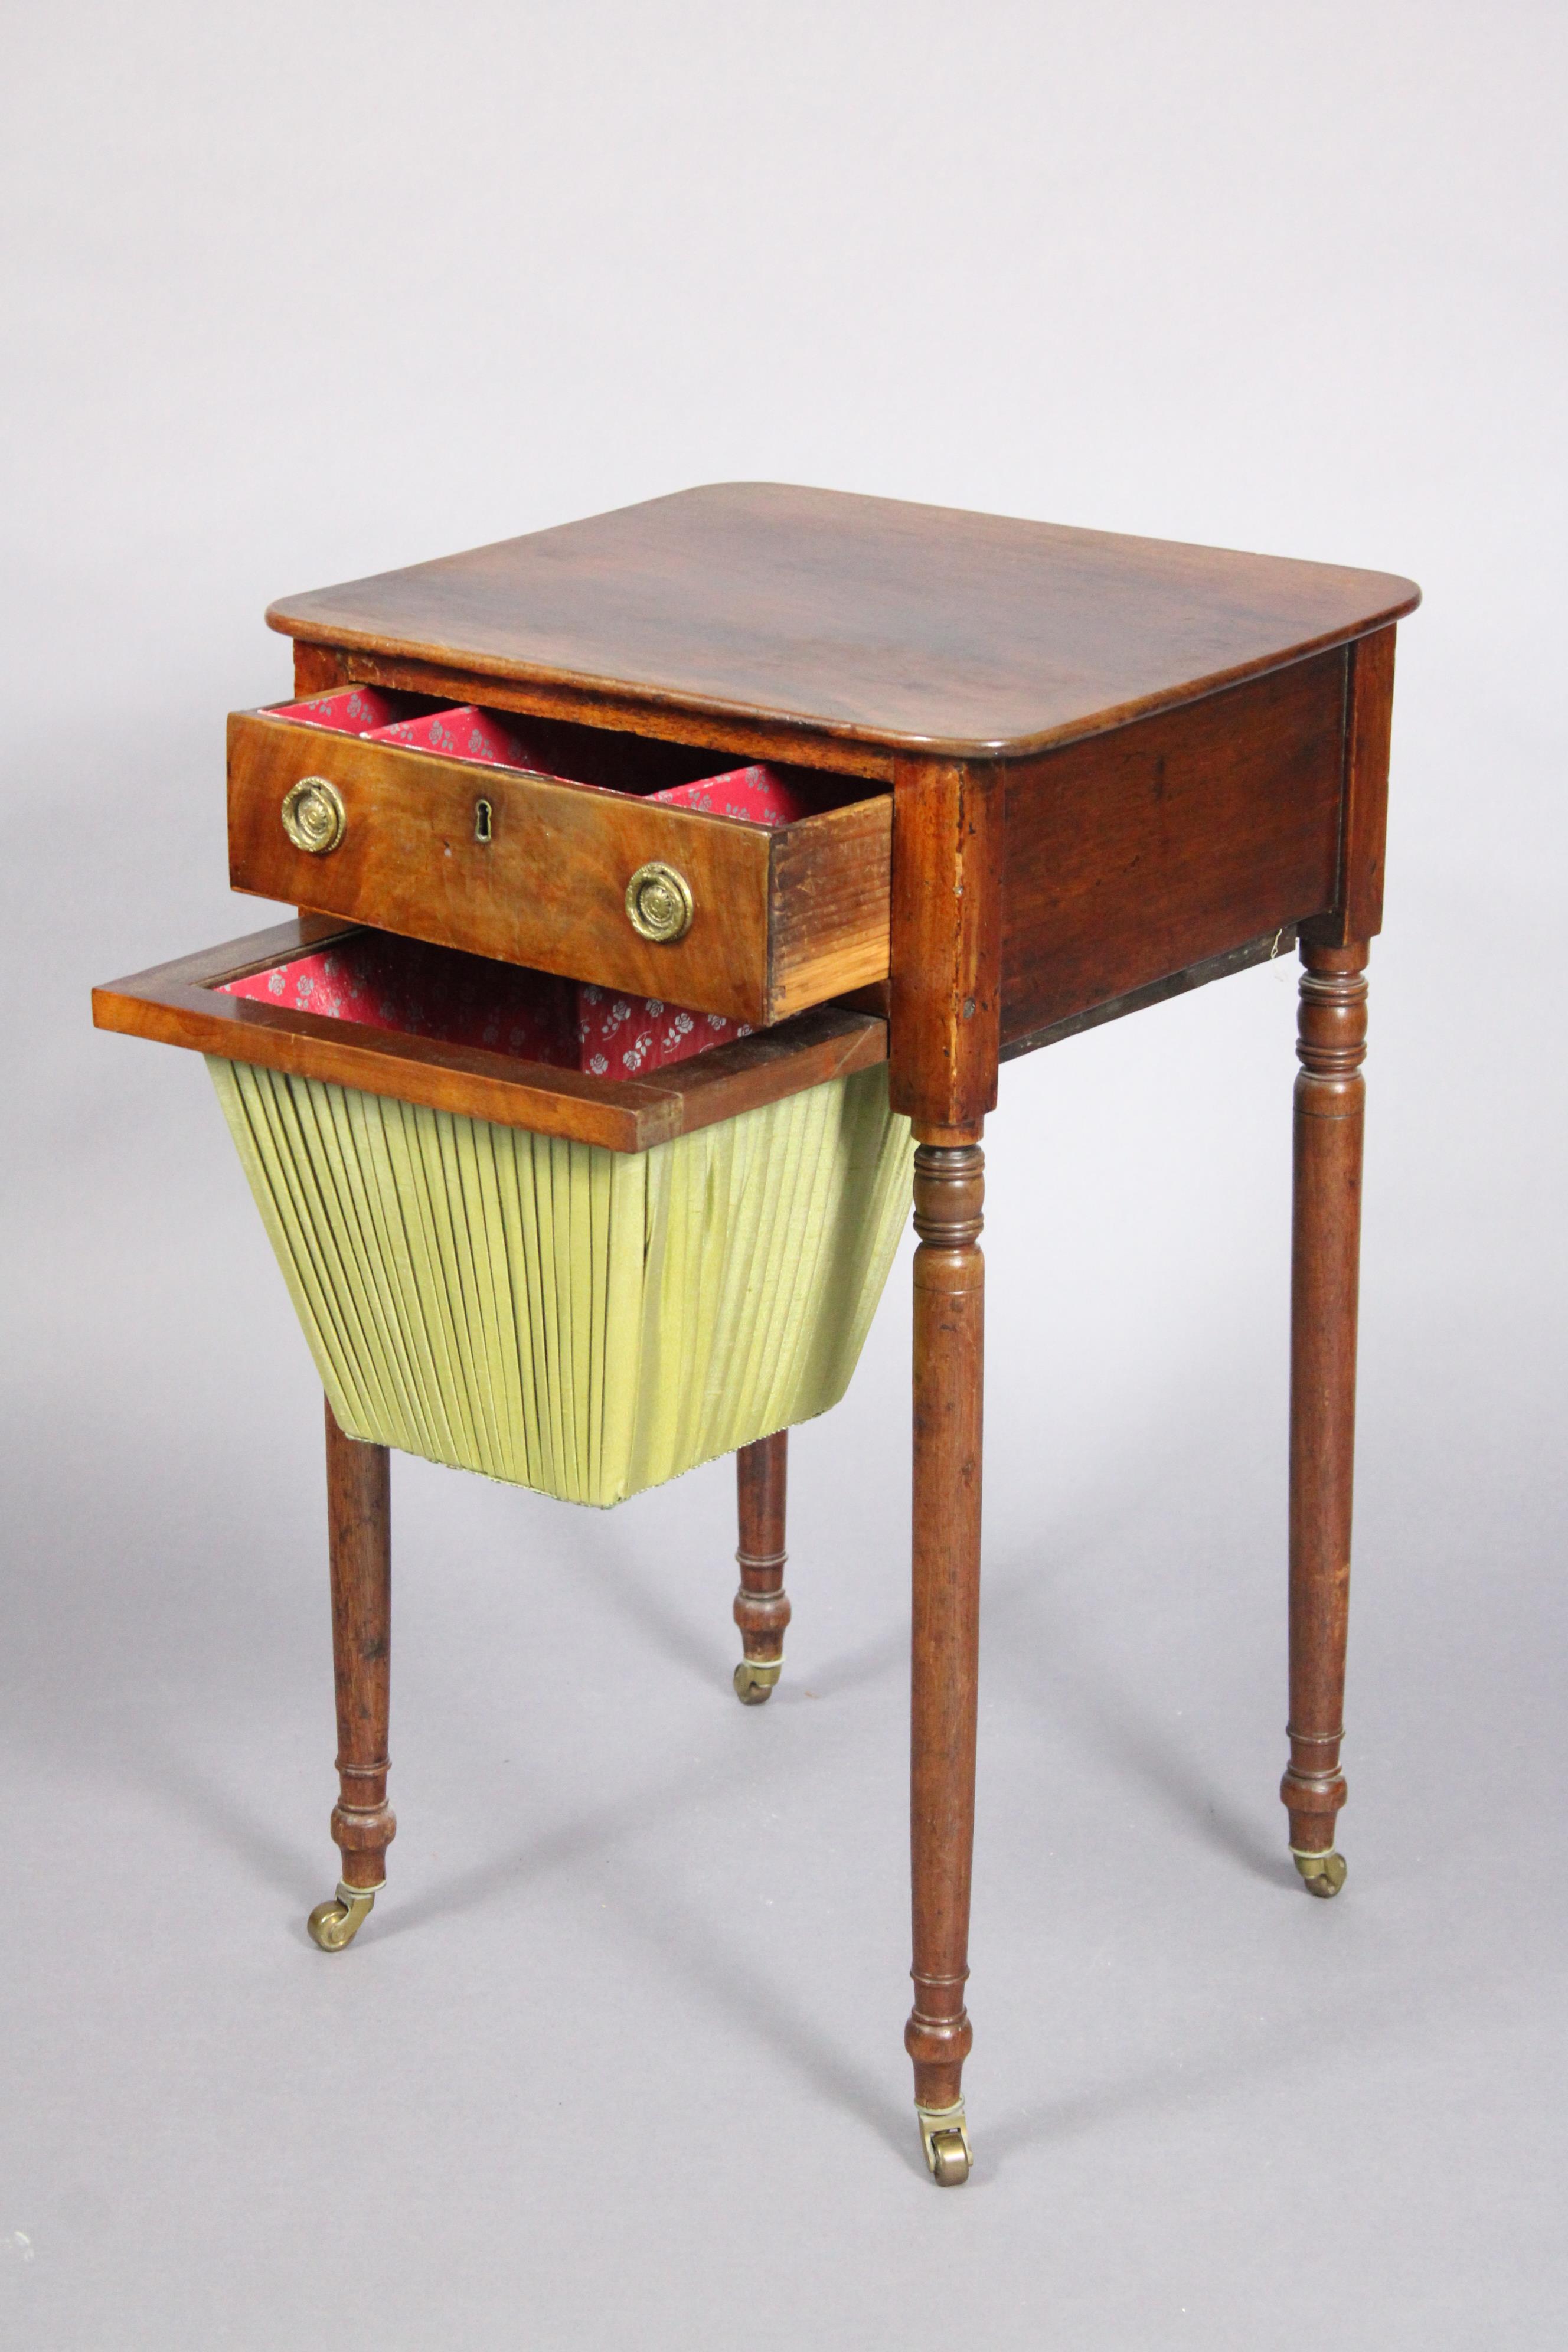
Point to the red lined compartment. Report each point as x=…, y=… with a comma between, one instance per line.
x=354, y=709
x=383, y=981
x=758, y=795
x=463, y=733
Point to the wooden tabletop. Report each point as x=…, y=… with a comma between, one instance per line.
x=870, y=620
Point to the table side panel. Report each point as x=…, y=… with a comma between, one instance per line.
x=1135, y=854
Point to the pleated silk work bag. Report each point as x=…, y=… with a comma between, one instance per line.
x=562, y=1317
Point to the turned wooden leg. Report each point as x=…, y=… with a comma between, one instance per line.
x=1325, y=1260
x=761, y=1604
x=949, y=1355
x=358, y=1525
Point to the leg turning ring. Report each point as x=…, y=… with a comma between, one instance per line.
x=945, y=2138
x=332, y=1924
x=1321, y=1874
x=754, y=1678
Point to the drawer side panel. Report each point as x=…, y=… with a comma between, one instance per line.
x=832, y=884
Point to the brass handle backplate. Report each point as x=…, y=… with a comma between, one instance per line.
x=659, y=903
x=314, y=817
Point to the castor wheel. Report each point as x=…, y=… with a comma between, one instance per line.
x=944, y=2135
x=332, y=1924
x=1321, y=1874
x=754, y=1678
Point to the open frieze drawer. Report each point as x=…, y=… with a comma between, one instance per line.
x=628, y=871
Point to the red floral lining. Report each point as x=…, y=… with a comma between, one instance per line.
x=382, y=981
x=759, y=794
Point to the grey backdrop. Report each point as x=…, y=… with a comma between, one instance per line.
x=297, y=292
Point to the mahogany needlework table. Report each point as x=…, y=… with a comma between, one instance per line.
x=1076, y=772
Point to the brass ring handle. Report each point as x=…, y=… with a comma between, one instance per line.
x=659, y=903
x=314, y=817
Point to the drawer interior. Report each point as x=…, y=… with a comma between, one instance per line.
x=761, y=792
x=405, y=987
x=455, y=1032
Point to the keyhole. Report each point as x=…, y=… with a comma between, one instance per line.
x=484, y=821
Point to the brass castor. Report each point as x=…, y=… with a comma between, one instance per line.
x=332, y=1924
x=754, y=1678
x=1321, y=1874
x=945, y=2138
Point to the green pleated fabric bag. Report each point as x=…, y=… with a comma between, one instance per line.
x=581, y=1321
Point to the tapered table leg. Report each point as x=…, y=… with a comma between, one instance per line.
x=761, y=1604
x=1325, y=1262
x=949, y=1354
x=358, y=1525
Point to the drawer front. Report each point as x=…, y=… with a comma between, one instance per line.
x=775, y=920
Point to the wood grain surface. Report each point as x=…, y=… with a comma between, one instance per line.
x=1137, y=855
x=358, y=1531
x=856, y=620
x=762, y=1607
x=829, y=881
x=1330, y=1115
x=946, y=941
x=944, y=1662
